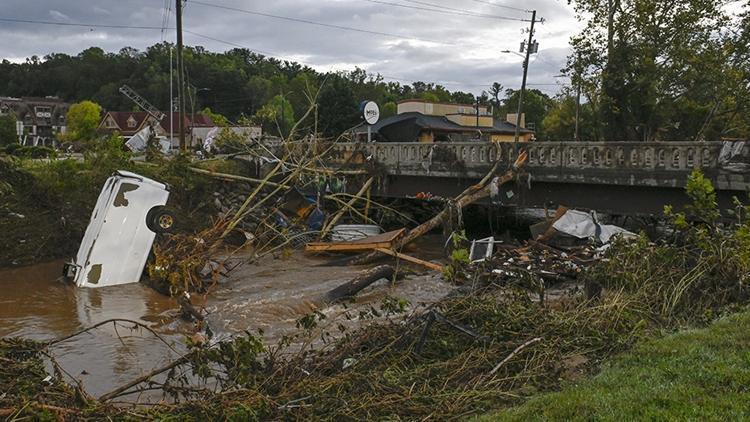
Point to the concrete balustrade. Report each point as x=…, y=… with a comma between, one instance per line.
x=630, y=163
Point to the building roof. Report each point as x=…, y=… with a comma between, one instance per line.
x=418, y=122
x=121, y=119
x=419, y=100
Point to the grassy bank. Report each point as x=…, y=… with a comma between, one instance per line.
x=699, y=374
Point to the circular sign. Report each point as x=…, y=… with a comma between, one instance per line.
x=370, y=112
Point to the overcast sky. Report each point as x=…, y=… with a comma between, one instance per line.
x=451, y=46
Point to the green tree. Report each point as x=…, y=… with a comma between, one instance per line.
x=664, y=69
x=388, y=109
x=277, y=116
x=8, y=133
x=559, y=123
x=83, y=119
x=217, y=118
x=536, y=105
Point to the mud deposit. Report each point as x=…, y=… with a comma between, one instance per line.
x=271, y=296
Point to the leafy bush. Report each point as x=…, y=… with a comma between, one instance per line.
x=706, y=267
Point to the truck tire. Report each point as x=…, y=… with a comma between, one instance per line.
x=160, y=220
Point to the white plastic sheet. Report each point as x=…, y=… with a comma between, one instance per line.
x=584, y=225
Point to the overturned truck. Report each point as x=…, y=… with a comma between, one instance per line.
x=127, y=216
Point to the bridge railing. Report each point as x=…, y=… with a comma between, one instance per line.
x=663, y=156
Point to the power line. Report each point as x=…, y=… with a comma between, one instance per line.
x=443, y=11
x=327, y=25
x=424, y=3
x=501, y=5
x=229, y=43
x=85, y=25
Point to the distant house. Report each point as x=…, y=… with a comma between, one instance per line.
x=197, y=126
x=128, y=123
x=424, y=121
x=39, y=120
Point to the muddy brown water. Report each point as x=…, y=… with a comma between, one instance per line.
x=271, y=296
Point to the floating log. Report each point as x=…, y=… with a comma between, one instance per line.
x=362, y=280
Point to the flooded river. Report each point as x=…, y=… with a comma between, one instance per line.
x=270, y=295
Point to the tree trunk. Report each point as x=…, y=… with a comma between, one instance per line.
x=362, y=280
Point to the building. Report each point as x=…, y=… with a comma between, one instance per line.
x=128, y=123
x=39, y=120
x=197, y=126
x=424, y=121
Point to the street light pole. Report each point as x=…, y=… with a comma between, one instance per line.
x=180, y=79
x=529, y=47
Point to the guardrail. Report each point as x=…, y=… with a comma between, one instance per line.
x=663, y=156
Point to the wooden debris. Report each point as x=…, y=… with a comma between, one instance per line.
x=385, y=240
x=430, y=265
x=362, y=280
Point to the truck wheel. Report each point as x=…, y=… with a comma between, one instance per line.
x=160, y=220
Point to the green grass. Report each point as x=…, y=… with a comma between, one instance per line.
x=699, y=374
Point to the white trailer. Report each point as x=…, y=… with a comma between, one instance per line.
x=128, y=214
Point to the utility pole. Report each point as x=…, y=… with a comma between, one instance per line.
x=578, y=107
x=529, y=48
x=477, y=110
x=180, y=88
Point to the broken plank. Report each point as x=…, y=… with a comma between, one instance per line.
x=384, y=240
x=430, y=265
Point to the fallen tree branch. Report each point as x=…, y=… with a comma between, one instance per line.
x=469, y=196
x=349, y=204
x=513, y=353
x=119, y=390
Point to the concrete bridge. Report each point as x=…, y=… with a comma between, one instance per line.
x=633, y=178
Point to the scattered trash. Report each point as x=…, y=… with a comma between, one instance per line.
x=348, y=362
x=385, y=240
x=568, y=226
x=349, y=232
x=585, y=225
x=482, y=249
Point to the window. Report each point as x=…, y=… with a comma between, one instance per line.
x=131, y=122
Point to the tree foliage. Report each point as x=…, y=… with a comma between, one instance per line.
x=8, y=133
x=240, y=84
x=655, y=69
x=82, y=120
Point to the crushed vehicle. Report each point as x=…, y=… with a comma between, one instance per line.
x=128, y=214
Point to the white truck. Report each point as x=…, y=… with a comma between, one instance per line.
x=118, y=240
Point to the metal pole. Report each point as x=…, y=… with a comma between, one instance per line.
x=171, y=102
x=578, y=108
x=523, y=82
x=180, y=88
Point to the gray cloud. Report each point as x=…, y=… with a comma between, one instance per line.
x=467, y=56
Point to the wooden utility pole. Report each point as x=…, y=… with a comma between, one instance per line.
x=180, y=81
x=529, y=47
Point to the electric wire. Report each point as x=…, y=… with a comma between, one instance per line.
x=85, y=25
x=326, y=25
x=445, y=12
x=438, y=6
x=518, y=9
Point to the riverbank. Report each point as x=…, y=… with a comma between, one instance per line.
x=698, y=374
x=499, y=337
